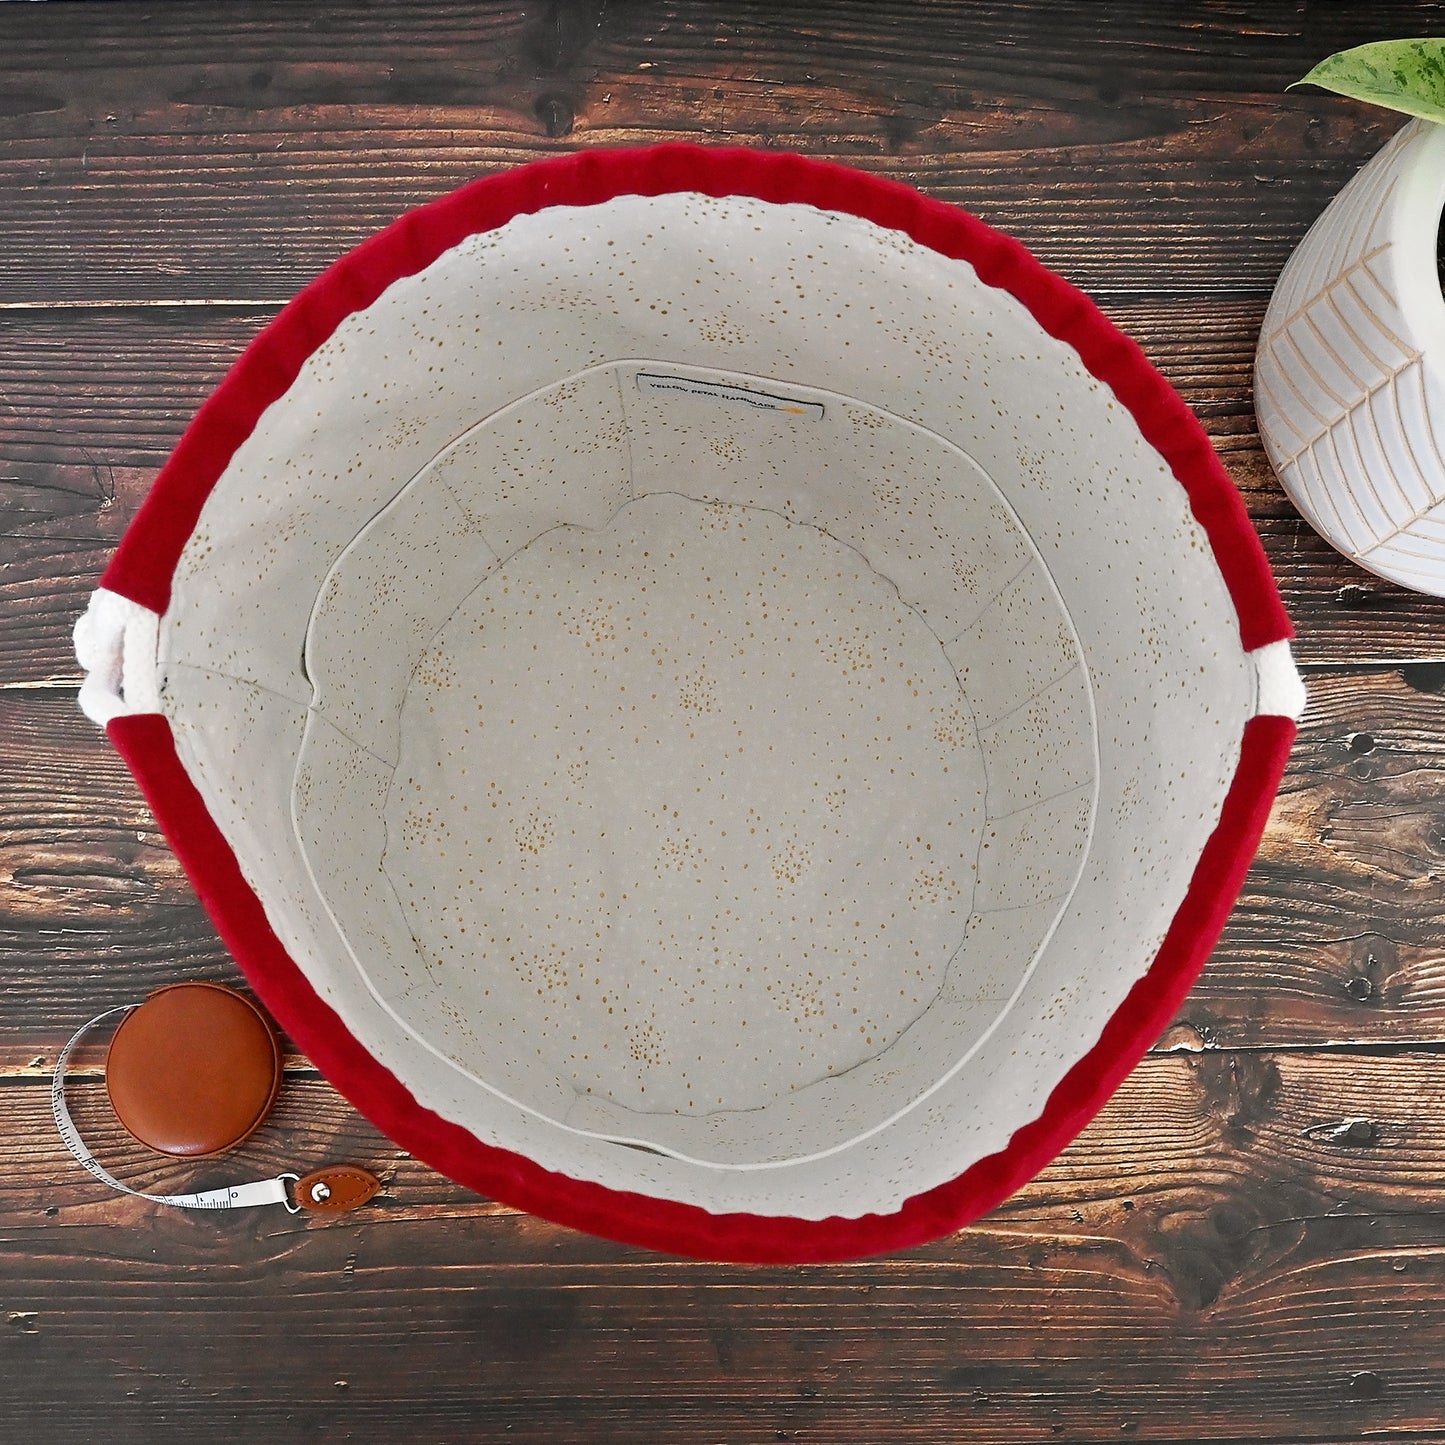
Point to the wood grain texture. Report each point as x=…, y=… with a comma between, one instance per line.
x=1199, y=1231
x=266, y=143
x=1211, y=1260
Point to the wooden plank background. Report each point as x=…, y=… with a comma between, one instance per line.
x=1207, y=1262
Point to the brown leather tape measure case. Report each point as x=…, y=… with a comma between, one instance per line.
x=194, y=1070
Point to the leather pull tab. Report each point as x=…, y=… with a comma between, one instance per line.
x=336, y=1189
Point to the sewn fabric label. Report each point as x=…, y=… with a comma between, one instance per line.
x=723, y=391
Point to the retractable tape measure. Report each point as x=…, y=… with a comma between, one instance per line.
x=191, y=1072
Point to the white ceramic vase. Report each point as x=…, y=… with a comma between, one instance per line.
x=1350, y=376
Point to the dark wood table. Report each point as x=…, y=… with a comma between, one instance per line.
x=1211, y=1260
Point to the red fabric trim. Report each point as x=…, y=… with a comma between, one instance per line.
x=146, y=743
x=146, y=559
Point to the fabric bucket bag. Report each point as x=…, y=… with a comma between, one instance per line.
x=719, y=701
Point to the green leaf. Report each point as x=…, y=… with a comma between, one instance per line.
x=1407, y=75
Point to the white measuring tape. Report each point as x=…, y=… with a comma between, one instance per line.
x=236, y=1196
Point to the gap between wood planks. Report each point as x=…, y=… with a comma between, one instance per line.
x=217, y=304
